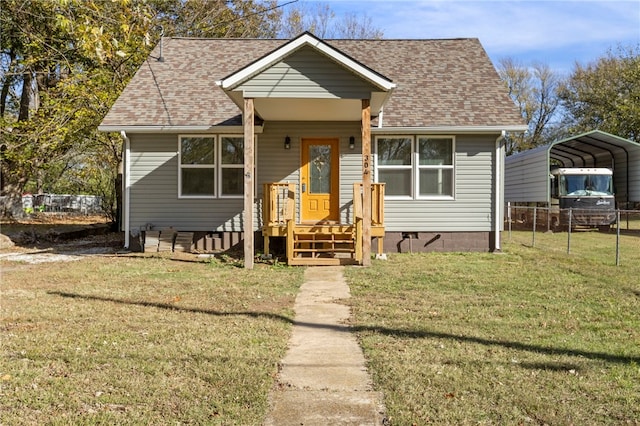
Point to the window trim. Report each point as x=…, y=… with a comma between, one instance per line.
x=396, y=167
x=451, y=166
x=217, y=166
x=181, y=166
x=222, y=166
x=415, y=167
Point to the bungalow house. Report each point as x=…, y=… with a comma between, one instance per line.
x=329, y=145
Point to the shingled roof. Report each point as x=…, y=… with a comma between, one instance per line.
x=440, y=83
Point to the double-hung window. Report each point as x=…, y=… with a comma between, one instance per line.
x=435, y=167
x=394, y=165
x=416, y=166
x=211, y=166
x=231, y=166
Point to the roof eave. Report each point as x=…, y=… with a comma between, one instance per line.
x=306, y=39
x=450, y=129
x=176, y=129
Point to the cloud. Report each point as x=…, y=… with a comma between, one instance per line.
x=559, y=31
x=509, y=25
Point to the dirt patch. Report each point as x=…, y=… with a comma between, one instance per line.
x=57, y=238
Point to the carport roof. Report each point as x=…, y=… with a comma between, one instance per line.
x=595, y=149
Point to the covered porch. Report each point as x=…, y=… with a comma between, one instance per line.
x=306, y=79
x=323, y=242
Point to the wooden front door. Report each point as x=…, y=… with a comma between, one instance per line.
x=319, y=180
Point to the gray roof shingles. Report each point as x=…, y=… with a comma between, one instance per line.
x=449, y=82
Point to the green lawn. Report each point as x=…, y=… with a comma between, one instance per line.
x=530, y=336
x=132, y=340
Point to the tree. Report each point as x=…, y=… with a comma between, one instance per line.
x=218, y=18
x=534, y=92
x=605, y=95
x=320, y=20
x=64, y=63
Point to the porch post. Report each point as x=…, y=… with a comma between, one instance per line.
x=249, y=160
x=366, y=182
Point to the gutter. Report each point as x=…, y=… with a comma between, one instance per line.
x=446, y=130
x=499, y=192
x=126, y=182
x=177, y=129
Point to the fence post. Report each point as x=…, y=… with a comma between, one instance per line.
x=509, y=218
x=535, y=216
x=569, y=233
x=617, y=237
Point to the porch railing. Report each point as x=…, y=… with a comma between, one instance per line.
x=278, y=203
x=279, y=216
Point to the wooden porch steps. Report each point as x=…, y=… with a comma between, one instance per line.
x=323, y=245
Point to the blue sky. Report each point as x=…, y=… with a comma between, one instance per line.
x=557, y=33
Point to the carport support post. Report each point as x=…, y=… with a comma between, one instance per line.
x=366, y=182
x=249, y=161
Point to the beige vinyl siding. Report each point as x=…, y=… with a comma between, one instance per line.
x=306, y=73
x=472, y=208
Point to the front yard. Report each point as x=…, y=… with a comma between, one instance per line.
x=138, y=340
x=530, y=336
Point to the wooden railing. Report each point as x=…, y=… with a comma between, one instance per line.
x=279, y=203
x=377, y=202
x=279, y=216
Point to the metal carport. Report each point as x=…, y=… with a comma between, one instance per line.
x=527, y=173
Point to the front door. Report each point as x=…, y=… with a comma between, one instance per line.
x=319, y=180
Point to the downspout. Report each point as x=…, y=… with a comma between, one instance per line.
x=126, y=154
x=499, y=191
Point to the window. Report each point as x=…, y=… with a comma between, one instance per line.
x=394, y=165
x=435, y=167
x=197, y=167
x=416, y=167
x=231, y=166
x=210, y=166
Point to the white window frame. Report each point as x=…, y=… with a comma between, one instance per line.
x=420, y=167
x=217, y=166
x=415, y=167
x=197, y=166
x=222, y=166
x=380, y=166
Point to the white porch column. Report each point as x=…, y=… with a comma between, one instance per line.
x=366, y=182
x=249, y=161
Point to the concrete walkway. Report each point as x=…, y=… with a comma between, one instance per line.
x=323, y=379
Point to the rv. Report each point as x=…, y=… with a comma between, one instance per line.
x=582, y=197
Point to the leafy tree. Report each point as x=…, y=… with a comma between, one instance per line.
x=534, y=92
x=64, y=63
x=605, y=95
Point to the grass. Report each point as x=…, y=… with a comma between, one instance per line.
x=139, y=340
x=530, y=336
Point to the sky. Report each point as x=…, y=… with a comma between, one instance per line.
x=555, y=33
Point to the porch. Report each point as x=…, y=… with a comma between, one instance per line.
x=324, y=242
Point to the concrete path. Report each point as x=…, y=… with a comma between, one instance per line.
x=323, y=378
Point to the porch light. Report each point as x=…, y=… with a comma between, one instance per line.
x=287, y=143
x=352, y=142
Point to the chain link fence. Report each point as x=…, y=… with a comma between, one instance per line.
x=583, y=232
x=62, y=203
